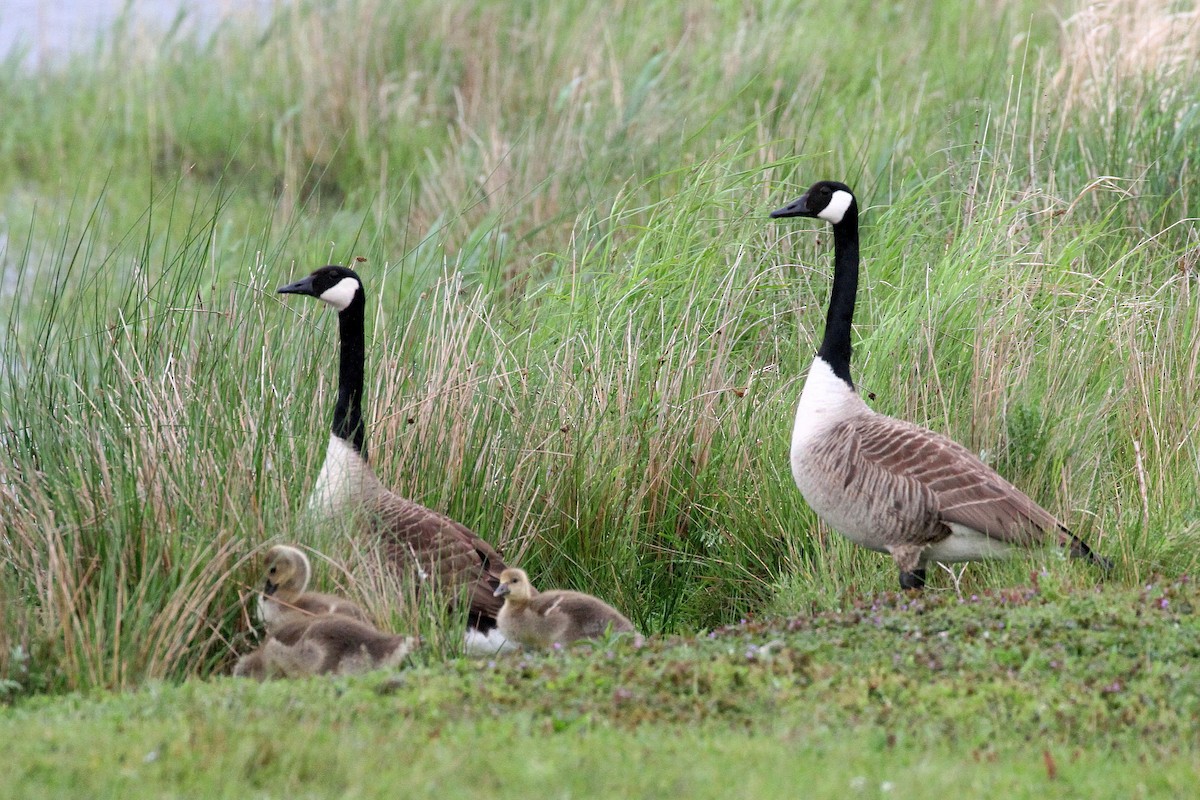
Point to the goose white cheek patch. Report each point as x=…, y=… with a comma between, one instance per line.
x=341, y=294
x=836, y=209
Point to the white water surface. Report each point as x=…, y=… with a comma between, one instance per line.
x=44, y=32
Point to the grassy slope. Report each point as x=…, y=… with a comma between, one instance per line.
x=1021, y=693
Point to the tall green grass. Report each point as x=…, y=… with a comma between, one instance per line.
x=586, y=337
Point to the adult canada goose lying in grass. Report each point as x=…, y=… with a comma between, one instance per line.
x=886, y=484
x=284, y=595
x=543, y=619
x=418, y=541
x=335, y=644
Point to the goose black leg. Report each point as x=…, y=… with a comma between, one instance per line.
x=1079, y=549
x=914, y=580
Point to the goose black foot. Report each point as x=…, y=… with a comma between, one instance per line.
x=914, y=580
x=1079, y=549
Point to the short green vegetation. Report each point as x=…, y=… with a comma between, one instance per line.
x=1018, y=693
x=586, y=343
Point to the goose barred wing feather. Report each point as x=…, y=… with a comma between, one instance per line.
x=864, y=499
x=963, y=490
x=443, y=551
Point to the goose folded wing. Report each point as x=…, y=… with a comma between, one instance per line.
x=441, y=550
x=964, y=490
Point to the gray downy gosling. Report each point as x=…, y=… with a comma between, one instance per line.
x=543, y=619
x=332, y=644
x=287, y=574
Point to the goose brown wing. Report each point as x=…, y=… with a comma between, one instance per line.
x=965, y=490
x=438, y=548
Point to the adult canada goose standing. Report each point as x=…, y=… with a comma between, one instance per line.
x=884, y=483
x=543, y=619
x=418, y=541
x=284, y=595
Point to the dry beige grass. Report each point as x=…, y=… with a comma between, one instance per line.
x=1119, y=53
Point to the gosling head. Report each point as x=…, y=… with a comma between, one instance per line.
x=287, y=572
x=514, y=585
x=338, y=286
x=827, y=200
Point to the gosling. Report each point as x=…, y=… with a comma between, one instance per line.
x=284, y=596
x=543, y=619
x=326, y=645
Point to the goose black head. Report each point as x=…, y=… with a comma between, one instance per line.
x=337, y=286
x=827, y=200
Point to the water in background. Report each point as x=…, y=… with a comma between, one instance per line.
x=44, y=31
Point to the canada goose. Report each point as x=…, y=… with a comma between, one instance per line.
x=417, y=540
x=884, y=483
x=543, y=619
x=283, y=595
x=320, y=645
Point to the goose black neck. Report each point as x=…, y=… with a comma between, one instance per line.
x=835, y=347
x=347, y=414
